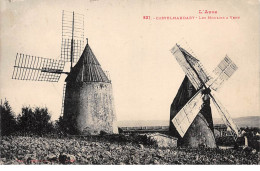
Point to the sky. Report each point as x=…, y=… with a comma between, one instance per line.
x=136, y=52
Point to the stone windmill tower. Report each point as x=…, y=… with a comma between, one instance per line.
x=201, y=127
x=89, y=103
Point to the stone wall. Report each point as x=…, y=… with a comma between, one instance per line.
x=91, y=106
x=162, y=140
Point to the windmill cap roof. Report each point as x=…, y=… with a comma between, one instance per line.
x=87, y=69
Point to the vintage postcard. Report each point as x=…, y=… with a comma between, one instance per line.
x=95, y=82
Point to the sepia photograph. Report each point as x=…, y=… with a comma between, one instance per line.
x=129, y=82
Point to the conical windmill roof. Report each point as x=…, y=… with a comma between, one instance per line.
x=87, y=69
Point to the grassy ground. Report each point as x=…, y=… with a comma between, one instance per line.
x=108, y=150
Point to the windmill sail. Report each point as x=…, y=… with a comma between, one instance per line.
x=37, y=68
x=72, y=43
x=63, y=98
x=187, y=114
x=225, y=115
x=191, y=67
x=223, y=72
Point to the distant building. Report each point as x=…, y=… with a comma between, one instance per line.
x=221, y=130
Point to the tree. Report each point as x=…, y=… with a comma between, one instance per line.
x=35, y=121
x=8, y=121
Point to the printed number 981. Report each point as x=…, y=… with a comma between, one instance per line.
x=146, y=17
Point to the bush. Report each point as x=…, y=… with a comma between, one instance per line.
x=225, y=141
x=66, y=126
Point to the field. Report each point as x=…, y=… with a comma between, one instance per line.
x=115, y=149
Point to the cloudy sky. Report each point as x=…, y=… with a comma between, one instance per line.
x=136, y=52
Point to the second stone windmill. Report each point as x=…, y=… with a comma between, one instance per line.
x=190, y=116
x=88, y=104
